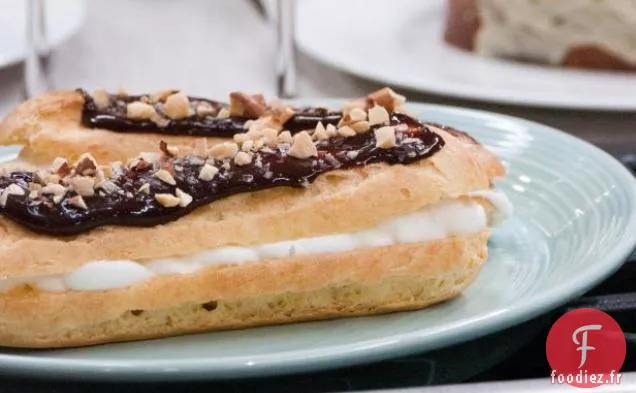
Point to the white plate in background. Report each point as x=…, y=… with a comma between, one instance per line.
x=399, y=42
x=63, y=19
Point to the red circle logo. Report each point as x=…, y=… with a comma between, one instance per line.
x=586, y=349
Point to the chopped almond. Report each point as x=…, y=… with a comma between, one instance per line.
x=167, y=200
x=378, y=115
x=161, y=96
x=360, y=127
x=303, y=146
x=285, y=137
x=54, y=188
x=223, y=113
x=184, y=198
x=224, y=150
x=204, y=108
x=346, y=131
x=78, y=201
x=385, y=137
x=208, y=172
x=357, y=114
x=245, y=105
x=101, y=98
x=331, y=130
x=177, y=106
x=165, y=177
x=83, y=185
x=140, y=111
x=386, y=98
x=144, y=189
x=242, y=158
x=86, y=165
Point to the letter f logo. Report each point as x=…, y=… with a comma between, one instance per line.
x=584, y=347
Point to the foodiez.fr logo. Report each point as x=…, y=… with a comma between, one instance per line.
x=586, y=349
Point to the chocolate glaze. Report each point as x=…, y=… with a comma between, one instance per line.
x=114, y=118
x=274, y=168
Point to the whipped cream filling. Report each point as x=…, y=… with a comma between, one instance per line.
x=439, y=221
x=546, y=30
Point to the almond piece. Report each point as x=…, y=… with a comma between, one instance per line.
x=242, y=158
x=320, y=133
x=13, y=189
x=177, y=106
x=86, y=165
x=54, y=188
x=282, y=115
x=331, y=130
x=184, y=198
x=223, y=114
x=348, y=106
x=224, y=150
x=303, y=146
x=285, y=137
x=101, y=98
x=385, y=137
x=161, y=96
x=247, y=145
x=360, y=127
x=270, y=136
x=78, y=201
x=378, y=115
x=165, y=177
x=245, y=105
x=139, y=111
x=167, y=200
x=83, y=185
x=208, y=172
x=258, y=144
x=357, y=114
x=60, y=166
x=144, y=189
x=346, y=131
x=204, y=108
x=241, y=137
x=386, y=98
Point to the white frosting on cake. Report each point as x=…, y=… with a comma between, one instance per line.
x=546, y=30
x=439, y=221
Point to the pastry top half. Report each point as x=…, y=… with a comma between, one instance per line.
x=117, y=126
x=575, y=33
x=268, y=187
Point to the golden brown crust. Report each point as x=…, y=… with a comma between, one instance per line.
x=379, y=280
x=337, y=202
x=49, y=126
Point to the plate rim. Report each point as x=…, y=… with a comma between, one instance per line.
x=397, y=345
x=460, y=92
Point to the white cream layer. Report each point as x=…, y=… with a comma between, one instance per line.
x=432, y=223
x=546, y=30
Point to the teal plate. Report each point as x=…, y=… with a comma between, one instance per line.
x=574, y=224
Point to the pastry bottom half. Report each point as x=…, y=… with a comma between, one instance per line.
x=356, y=283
